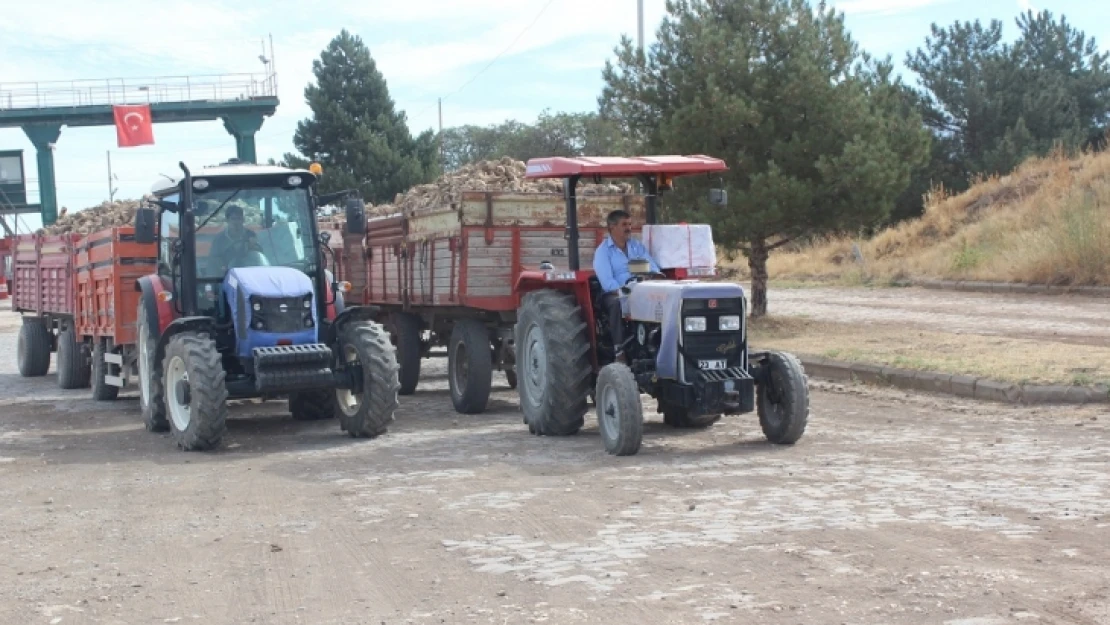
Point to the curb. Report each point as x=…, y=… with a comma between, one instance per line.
x=1005, y=287
x=950, y=384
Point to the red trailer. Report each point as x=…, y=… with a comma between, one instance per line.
x=78, y=299
x=448, y=276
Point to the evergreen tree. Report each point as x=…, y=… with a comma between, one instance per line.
x=817, y=136
x=355, y=132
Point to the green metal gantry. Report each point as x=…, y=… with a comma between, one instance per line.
x=242, y=101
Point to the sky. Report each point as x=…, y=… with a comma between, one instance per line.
x=489, y=60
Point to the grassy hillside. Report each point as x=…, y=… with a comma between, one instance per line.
x=1046, y=223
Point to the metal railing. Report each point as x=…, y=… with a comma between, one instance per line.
x=107, y=91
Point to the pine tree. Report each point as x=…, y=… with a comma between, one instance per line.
x=817, y=136
x=355, y=132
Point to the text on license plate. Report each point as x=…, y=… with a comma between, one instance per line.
x=713, y=365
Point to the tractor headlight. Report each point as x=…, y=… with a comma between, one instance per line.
x=730, y=323
x=257, y=307
x=694, y=324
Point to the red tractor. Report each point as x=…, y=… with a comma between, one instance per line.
x=686, y=342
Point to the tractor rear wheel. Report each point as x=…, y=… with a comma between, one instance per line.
x=101, y=390
x=620, y=414
x=783, y=405
x=469, y=366
x=196, y=396
x=73, y=361
x=312, y=405
x=152, y=394
x=368, y=413
x=553, y=361
x=33, y=348
x=406, y=332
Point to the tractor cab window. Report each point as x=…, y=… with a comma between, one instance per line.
x=259, y=227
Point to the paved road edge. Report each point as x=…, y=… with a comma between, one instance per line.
x=952, y=384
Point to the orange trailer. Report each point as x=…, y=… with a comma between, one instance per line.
x=78, y=299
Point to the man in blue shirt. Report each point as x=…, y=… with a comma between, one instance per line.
x=611, y=266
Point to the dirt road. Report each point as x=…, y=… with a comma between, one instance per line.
x=1059, y=318
x=894, y=508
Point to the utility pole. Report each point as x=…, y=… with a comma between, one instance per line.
x=640, y=23
x=440, y=135
x=111, y=190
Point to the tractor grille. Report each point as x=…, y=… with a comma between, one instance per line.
x=283, y=315
x=714, y=344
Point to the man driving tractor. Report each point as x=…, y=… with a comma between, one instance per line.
x=611, y=266
x=235, y=240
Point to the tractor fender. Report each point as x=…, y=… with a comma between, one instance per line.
x=348, y=315
x=160, y=314
x=177, y=326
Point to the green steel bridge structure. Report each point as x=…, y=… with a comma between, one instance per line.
x=241, y=101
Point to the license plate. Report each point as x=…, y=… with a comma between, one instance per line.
x=713, y=365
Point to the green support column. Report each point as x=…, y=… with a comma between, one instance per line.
x=243, y=126
x=43, y=136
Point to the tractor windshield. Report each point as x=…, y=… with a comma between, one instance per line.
x=259, y=226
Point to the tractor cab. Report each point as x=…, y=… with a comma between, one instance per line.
x=684, y=339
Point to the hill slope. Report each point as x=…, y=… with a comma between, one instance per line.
x=1048, y=222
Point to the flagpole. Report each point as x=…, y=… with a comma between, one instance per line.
x=111, y=194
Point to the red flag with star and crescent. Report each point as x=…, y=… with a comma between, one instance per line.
x=133, y=125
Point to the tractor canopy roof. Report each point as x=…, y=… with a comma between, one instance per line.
x=622, y=167
x=235, y=171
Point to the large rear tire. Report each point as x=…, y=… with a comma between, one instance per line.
x=553, y=362
x=783, y=406
x=406, y=330
x=152, y=395
x=368, y=413
x=620, y=414
x=33, y=348
x=196, y=396
x=101, y=390
x=469, y=366
x=73, y=361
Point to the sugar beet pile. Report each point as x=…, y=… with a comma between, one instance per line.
x=505, y=174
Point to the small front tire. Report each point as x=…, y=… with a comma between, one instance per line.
x=368, y=413
x=196, y=396
x=783, y=406
x=620, y=414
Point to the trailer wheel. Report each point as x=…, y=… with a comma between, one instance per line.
x=469, y=366
x=783, y=406
x=33, y=348
x=312, y=405
x=152, y=395
x=406, y=329
x=73, y=361
x=510, y=377
x=620, y=414
x=196, y=397
x=101, y=390
x=367, y=412
x=553, y=360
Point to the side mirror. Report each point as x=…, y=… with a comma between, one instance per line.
x=356, y=216
x=144, y=225
x=718, y=197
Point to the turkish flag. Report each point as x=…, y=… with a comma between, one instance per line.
x=133, y=125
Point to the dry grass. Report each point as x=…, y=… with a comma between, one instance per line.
x=1046, y=223
x=999, y=358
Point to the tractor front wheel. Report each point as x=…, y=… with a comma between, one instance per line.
x=196, y=396
x=620, y=414
x=553, y=361
x=369, y=411
x=783, y=403
x=469, y=366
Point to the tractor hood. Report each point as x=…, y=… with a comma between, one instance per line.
x=281, y=293
x=660, y=301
